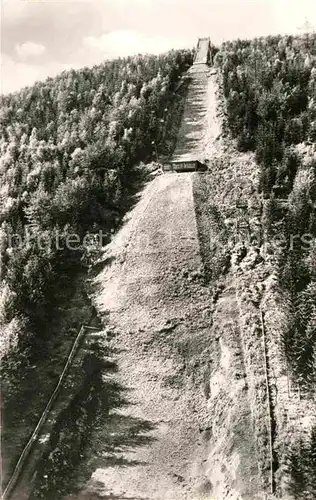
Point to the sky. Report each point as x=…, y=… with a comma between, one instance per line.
x=41, y=38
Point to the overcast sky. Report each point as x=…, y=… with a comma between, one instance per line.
x=40, y=38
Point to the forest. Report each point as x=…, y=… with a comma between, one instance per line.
x=269, y=86
x=70, y=151
x=270, y=90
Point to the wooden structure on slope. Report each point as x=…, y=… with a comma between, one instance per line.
x=185, y=166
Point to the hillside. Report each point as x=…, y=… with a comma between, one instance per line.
x=71, y=162
x=269, y=87
x=202, y=379
x=177, y=424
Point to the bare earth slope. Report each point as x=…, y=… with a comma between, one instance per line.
x=152, y=315
x=179, y=363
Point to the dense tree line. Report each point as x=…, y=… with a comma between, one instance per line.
x=69, y=150
x=270, y=90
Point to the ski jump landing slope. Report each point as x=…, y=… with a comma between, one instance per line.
x=163, y=338
x=155, y=305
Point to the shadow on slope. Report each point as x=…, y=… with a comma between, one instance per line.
x=94, y=415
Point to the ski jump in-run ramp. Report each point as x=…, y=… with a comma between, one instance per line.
x=188, y=155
